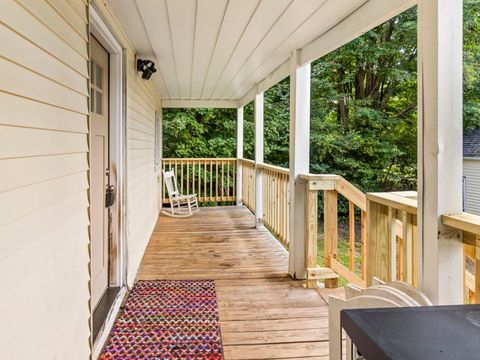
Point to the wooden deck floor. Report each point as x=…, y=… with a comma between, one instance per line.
x=264, y=314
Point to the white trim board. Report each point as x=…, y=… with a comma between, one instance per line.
x=117, y=138
x=105, y=36
x=228, y=104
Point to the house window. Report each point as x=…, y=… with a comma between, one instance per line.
x=158, y=138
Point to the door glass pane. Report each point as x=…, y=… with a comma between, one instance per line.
x=98, y=102
x=92, y=100
x=92, y=72
x=98, y=76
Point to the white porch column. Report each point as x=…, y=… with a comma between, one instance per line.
x=258, y=157
x=440, y=65
x=299, y=161
x=239, y=153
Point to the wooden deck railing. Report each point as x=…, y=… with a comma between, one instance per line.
x=469, y=224
x=332, y=186
x=392, y=236
x=212, y=179
x=248, y=184
x=276, y=197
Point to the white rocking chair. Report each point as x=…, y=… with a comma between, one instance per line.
x=180, y=205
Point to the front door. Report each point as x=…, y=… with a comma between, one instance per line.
x=99, y=167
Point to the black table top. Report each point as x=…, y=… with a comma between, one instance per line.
x=429, y=332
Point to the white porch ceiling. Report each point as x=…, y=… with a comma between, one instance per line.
x=220, y=49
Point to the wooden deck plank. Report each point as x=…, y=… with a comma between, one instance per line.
x=264, y=314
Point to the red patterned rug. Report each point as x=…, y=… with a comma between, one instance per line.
x=167, y=320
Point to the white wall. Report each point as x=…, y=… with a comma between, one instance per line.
x=471, y=170
x=44, y=221
x=44, y=218
x=142, y=198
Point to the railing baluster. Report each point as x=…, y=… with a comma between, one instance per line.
x=330, y=199
x=363, y=241
x=351, y=234
x=392, y=223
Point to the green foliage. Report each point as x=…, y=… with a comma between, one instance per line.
x=199, y=133
x=471, y=55
x=363, y=110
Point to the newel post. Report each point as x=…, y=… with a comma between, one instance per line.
x=239, y=189
x=258, y=157
x=440, y=256
x=299, y=163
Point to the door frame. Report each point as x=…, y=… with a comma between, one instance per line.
x=117, y=149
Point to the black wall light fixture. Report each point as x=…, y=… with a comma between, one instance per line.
x=146, y=67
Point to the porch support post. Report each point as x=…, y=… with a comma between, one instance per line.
x=440, y=90
x=258, y=157
x=239, y=154
x=299, y=162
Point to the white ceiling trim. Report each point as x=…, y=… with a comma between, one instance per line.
x=227, y=104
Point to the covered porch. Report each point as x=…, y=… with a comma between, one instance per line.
x=83, y=87
x=264, y=314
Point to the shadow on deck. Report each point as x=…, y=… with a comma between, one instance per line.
x=264, y=314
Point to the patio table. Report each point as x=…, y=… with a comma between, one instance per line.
x=430, y=332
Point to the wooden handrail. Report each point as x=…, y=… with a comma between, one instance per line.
x=278, y=169
x=463, y=221
x=248, y=183
x=352, y=193
x=469, y=224
x=199, y=159
x=403, y=201
x=247, y=161
x=276, y=198
x=392, y=233
x=332, y=185
x=212, y=179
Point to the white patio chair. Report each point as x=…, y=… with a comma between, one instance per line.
x=180, y=205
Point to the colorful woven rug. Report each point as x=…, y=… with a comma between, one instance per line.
x=167, y=320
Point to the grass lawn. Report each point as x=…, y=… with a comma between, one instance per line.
x=343, y=251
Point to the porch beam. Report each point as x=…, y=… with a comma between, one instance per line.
x=226, y=104
x=239, y=154
x=440, y=38
x=366, y=17
x=299, y=162
x=258, y=157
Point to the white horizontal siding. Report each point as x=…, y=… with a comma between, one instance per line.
x=142, y=185
x=471, y=170
x=44, y=183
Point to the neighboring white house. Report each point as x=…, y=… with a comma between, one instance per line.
x=471, y=171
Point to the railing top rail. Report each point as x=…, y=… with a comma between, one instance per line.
x=319, y=177
x=341, y=185
x=352, y=193
x=463, y=221
x=398, y=200
x=279, y=169
x=199, y=159
x=248, y=161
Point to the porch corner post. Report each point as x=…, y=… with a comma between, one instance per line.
x=239, y=154
x=440, y=101
x=300, y=75
x=258, y=158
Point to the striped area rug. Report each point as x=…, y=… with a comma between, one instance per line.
x=164, y=319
